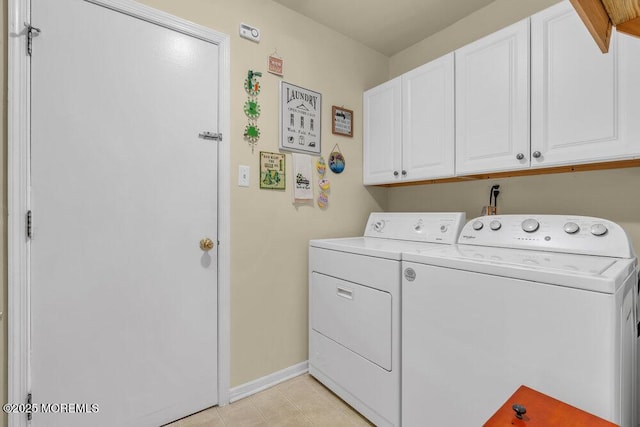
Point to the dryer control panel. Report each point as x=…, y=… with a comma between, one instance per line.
x=554, y=233
x=430, y=227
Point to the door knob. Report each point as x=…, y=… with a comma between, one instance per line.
x=520, y=156
x=206, y=244
x=536, y=154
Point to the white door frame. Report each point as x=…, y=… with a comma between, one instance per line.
x=18, y=187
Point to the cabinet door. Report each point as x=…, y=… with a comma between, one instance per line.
x=428, y=121
x=582, y=102
x=492, y=102
x=382, y=150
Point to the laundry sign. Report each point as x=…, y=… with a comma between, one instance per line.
x=300, y=119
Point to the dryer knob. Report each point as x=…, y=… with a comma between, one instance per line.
x=495, y=225
x=477, y=225
x=530, y=225
x=571, y=228
x=598, y=229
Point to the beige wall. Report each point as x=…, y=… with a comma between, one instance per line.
x=607, y=194
x=492, y=17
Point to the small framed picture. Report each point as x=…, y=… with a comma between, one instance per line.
x=300, y=115
x=342, y=121
x=272, y=171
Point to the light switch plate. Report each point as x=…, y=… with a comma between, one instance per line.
x=243, y=176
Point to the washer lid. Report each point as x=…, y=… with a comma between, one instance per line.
x=594, y=273
x=373, y=246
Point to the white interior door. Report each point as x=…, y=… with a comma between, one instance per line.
x=123, y=300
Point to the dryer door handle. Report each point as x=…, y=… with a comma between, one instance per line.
x=344, y=292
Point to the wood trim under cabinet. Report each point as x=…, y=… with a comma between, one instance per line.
x=596, y=19
x=618, y=164
x=631, y=27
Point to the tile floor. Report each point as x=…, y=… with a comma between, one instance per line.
x=299, y=402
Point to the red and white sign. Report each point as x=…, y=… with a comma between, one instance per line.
x=275, y=65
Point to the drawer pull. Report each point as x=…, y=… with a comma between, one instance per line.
x=344, y=293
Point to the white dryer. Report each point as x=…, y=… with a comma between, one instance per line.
x=542, y=300
x=354, y=307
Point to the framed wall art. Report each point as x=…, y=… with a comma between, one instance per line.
x=272, y=171
x=300, y=119
x=342, y=121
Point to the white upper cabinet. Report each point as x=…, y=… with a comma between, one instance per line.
x=492, y=102
x=428, y=138
x=584, y=105
x=409, y=126
x=382, y=121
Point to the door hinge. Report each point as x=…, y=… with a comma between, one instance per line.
x=29, y=225
x=29, y=407
x=31, y=33
x=211, y=136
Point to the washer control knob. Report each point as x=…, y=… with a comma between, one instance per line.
x=530, y=225
x=379, y=225
x=477, y=225
x=444, y=228
x=495, y=225
x=598, y=229
x=571, y=228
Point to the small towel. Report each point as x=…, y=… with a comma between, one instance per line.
x=302, y=178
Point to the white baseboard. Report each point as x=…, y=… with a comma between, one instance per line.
x=255, y=386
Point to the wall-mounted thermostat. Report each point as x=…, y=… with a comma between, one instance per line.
x=250, y=33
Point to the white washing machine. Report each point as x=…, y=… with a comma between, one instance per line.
x=354, y=307
x=545, y=301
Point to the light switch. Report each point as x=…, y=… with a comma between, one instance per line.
x=243, y=176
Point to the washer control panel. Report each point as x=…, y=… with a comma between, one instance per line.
x=554, y=233
x=431, y=227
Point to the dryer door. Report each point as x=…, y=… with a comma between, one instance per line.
x=355, y=316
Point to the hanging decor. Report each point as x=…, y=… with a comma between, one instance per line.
x=276, y=64
x=323, y=200
x=336, y=160
x=302, y=178
x=342, y=121
x=323, y=183
x=252, y=108
x=300, y=115
x=272, y=171
x=321, y=166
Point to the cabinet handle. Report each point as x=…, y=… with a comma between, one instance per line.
x=520, y=156
x=519, y=409
x=536, y=154
x=404, y=173
x=395, y=173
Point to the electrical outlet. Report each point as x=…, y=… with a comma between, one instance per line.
x=243, y=176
